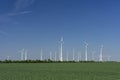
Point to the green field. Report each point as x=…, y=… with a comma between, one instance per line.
x=60, y=71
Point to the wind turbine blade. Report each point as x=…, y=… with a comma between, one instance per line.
x=85, y=43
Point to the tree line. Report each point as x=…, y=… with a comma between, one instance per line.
x=47, y=61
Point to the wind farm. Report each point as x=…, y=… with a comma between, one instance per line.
x=59, y=56
x=50, y=65
x=59, y=40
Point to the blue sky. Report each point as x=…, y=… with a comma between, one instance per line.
x=35, y=24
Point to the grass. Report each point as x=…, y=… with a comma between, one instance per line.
x=60, y=71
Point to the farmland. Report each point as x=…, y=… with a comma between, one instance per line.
x=60, y=71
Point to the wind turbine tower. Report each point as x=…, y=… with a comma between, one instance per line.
x=80, y=58
x=22, y=54
x=86, y=46
x=73, y=54
x=50, y=55
x=101, y=53
x=55, y=56
x=61, y=49
x=41, y=54
x=8, y=57
x=93, y=53
x=67, y=56
x=109, y=57
x=25, y=55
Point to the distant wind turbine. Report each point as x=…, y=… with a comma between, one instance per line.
x=67, y=55
x=50, y=55
x=93, y=57
x=41, y=54
x=55, y=56
x=61, y=49
x=86, y=46
x=8, y=57
x=101, y=54
x=109, y=57
x=26, y=54
x=80, y=57
x=73, y=54
x=22, y=53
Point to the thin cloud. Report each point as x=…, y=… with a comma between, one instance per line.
x=19, y=13
x=18, y=10
x=7, y=18
x=22, y=4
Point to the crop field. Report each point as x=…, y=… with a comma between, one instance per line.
x=60, y=71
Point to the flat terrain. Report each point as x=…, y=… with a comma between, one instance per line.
x=60, y=71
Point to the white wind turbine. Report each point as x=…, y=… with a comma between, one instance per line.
x=93, y=55
x=109, y=58
x=73, y=54
x=41, y=55
x=50, y=55
x=22, y=53
x=67, y=56
x=26, y=54
x=101, y=53
x=80, y=57
x=55, y=56
x=61, y=49
x=8, y=57
x=86, y=46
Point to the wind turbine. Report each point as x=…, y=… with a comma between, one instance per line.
x=73, y=54
x=67, y=56
x=8, y=57
x=22, y=53
x=25, y=54
x=50, y=55
x=93, y=53
x=55, y=56
x=101, y=54
x=61, y=49
x=80, y=57
x=86, y=46
x=109, y=57
x=41, y=54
